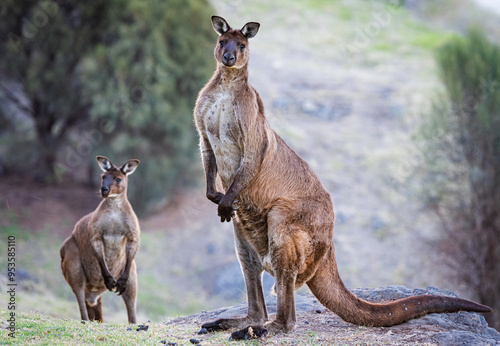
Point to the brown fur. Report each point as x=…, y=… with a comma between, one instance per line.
x=103, y=245
x=282, y=215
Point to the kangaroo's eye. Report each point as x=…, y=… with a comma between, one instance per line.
x=221, y=43
x=242, y=46
x=118, y=180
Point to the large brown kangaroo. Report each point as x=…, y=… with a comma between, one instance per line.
x=282, y=214
x=103, y=245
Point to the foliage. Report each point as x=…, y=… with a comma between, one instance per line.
x=462, y=157
x=116, y=78
x=42, y=43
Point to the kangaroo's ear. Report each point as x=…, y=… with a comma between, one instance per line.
x=220, y=25
x=250, y=29
x=104, y=163
x=130, y=166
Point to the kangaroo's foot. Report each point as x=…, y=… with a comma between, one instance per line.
x=224, y=324
x=259, y=331
x=229, y=323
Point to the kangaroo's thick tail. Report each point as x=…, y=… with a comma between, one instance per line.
x=328, y=287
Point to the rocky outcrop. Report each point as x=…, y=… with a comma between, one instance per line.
x=317, y=325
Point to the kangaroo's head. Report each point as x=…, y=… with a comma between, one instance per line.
x=232, y=46
x=114, y=179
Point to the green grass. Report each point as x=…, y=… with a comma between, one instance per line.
x=34, y=328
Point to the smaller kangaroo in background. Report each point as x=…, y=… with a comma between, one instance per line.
x=103, y=245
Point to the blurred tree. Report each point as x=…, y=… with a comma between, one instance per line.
x=41, y=47
x=115, y=77
x=462, y=154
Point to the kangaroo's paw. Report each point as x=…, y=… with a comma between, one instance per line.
x=110, y=283
x=121, y=285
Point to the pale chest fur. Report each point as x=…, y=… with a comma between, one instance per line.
x=114, y=227
x=221, y=121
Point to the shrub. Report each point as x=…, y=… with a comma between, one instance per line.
x=462, y=155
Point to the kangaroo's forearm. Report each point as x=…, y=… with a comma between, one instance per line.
x=210, y=166
x=98, y=248
x=131, y=250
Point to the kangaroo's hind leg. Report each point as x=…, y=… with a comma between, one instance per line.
x=72, y=269
x=130, y=294
x=252, y=271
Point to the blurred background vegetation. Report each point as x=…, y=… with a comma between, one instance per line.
x=115, y=77
x=395, y=104
x=461, y=156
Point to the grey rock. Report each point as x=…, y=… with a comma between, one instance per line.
x=460, y=338
x=380, y=294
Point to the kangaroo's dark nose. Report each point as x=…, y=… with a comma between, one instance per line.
x=104, y=191
x=228, y=59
